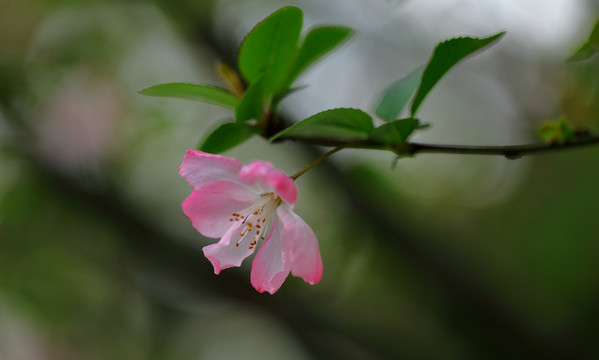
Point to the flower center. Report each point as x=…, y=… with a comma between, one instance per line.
x=256, y=218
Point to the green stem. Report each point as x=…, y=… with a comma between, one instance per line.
x=318, y=159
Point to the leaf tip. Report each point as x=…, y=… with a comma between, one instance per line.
x=146, y=91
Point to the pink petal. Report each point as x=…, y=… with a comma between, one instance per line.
x=271, y=264
x=263, y=175
x=200, y=168
x=303, y=246
x=226, y=253
x=210, y=208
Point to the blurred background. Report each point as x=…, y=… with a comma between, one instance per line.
x=443, y=257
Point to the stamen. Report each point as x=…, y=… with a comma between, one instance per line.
x=256, y=216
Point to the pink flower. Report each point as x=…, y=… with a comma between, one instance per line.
x=244, y=205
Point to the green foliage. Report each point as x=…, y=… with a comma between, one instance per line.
x=317, y=43
x=341, y=123
x=272, y=50
x=272, y=56
x=270, y=59
x=589, y=48
x=446, y=55
x=556, y=131
x=227, y=136
x=251, y=105
x=270, y=47
x=209, y=94
x=396, y=96
x=395, y=132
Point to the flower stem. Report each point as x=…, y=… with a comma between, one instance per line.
x=318, y=159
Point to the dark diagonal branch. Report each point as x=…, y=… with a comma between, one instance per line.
x=509, y=151
x=413, y=148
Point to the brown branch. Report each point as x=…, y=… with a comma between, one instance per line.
x=413, y=148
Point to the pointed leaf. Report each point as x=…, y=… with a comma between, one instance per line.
x=590, y=47
x=271, y=46
x=318, y=42
x=394, y=132
x=227, y=136
x=345, y=123
x=396, y=96
x=446, y=55
x=252, y=103
x=203, y=93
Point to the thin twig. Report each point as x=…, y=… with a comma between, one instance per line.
x=509, y=151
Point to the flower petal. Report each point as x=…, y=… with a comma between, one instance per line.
x=210, y=208
x=226, y=253
x=263, y=175
x=271, y=265
x=200, y=168
x=303, y=246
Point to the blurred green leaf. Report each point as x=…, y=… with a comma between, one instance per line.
x=252, y=103
x=226, y=137
x=394, y=132
x=280, y=96
x=556, y=131
x=590, y=47
x=350, y=124
x=318, y=42
x=396, y=96
x=446, y=55
x=270, y=47
x=208, y=94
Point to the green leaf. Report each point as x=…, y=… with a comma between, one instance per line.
x=396, y=96
x=208, y=94
x=282, y=95
x=318, y=42
x=589, y=48
x=271, y=47
x=252, y=103
x=344, y=123
x=227, y=136
x=556, y=131
x=446, y=55
x=394, y=132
